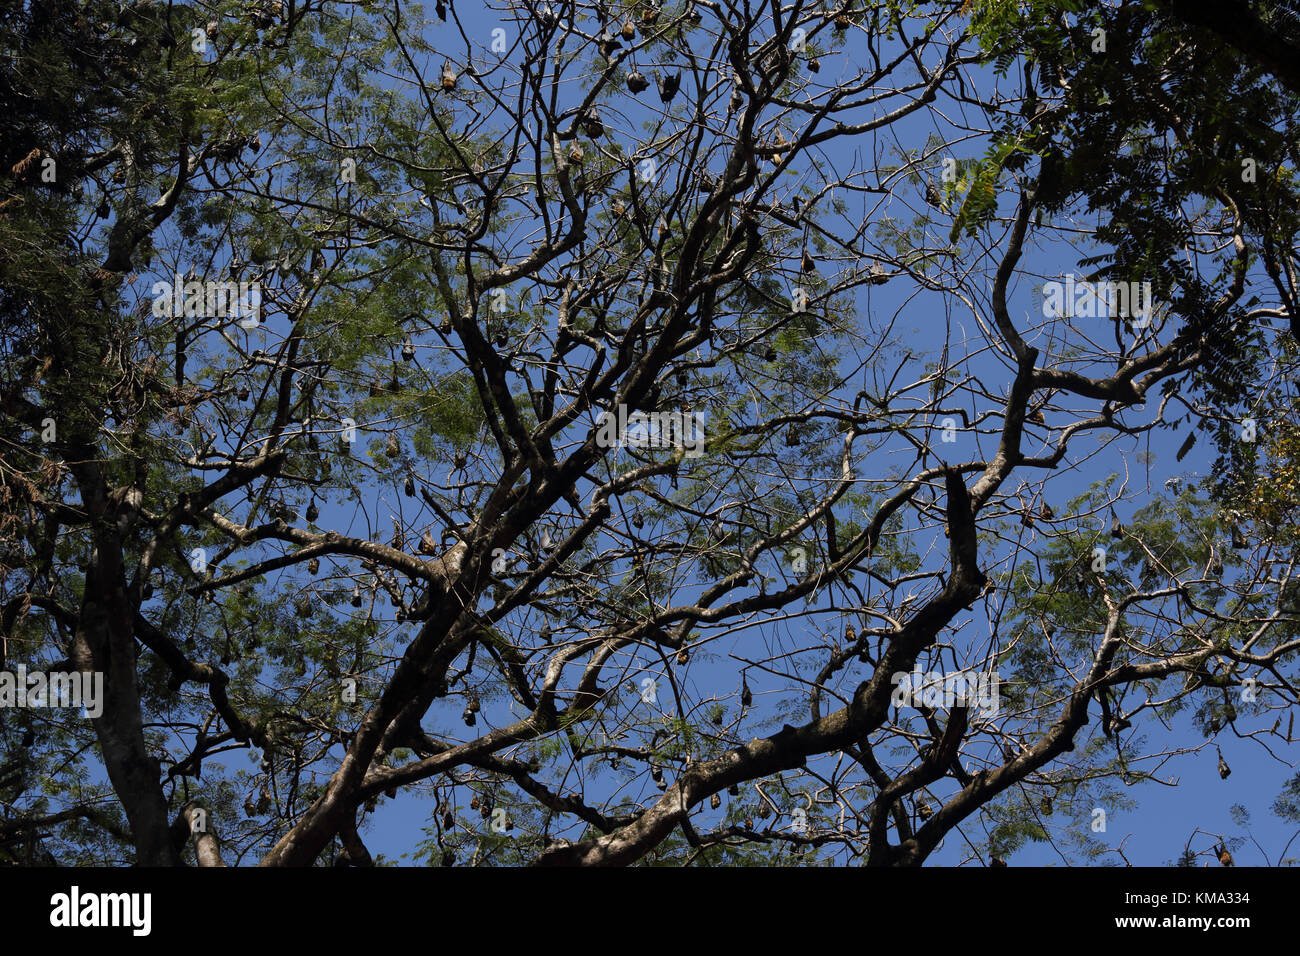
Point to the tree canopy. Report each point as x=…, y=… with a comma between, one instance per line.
x=591, y=419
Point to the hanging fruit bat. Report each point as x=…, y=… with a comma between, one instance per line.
x=1224, y=856
x=1214, y=567
x=668, y=84
x=636, y=82
x=607, y=43
x=1116, y=529
x=1224, y=769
